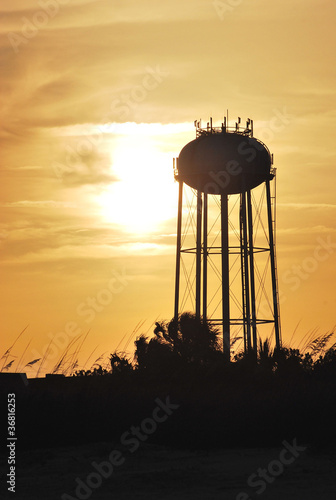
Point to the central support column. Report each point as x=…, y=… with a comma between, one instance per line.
x=198, y=253
x=225, y=276
x=178, y=251
x=252, y=281
x=205, y=256
x=242, y=270
x=245, y=271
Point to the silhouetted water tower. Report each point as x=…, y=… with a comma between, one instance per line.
x=226, y=164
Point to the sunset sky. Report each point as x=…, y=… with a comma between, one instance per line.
x=97, y=99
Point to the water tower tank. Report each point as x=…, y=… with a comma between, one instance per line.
x=223, y=162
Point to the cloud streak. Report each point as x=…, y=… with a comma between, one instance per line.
x=40, y=204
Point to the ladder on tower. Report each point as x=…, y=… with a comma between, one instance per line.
x=273, y=211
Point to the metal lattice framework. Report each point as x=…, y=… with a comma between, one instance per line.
x=252, y=302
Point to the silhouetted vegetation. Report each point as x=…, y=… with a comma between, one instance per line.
x=189, y=344
x=179, y=343
x=258, y=399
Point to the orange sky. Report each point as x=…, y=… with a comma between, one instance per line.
x=97, y=98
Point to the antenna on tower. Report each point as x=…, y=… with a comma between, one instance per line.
x=247, y=129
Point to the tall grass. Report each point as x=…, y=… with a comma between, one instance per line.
x=17, y=369
x=8, y=352
x=68, y=362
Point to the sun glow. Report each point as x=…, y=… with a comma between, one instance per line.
x=145, y=194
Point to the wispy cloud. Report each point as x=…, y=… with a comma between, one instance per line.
x=40, y=204
x=92, y=253
x=305, y=206
x=306, y=230
x=76, y=169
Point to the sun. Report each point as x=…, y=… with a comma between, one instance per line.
x=145, y=193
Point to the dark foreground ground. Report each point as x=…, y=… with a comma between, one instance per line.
x=196, y=436
x=155, y=472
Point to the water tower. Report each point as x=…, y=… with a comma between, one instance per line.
x=218, y=174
